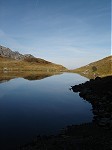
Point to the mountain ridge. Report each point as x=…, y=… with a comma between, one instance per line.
x=15, y=61
x=7, y=52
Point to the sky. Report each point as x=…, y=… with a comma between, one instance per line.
x=68, y=32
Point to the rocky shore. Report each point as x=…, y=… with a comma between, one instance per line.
x=98, y=92
x=96, y=135
x=77, y=137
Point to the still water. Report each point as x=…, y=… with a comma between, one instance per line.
x=32, y=107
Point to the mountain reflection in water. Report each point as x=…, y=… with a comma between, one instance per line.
x=34, y=75
x=29, y=108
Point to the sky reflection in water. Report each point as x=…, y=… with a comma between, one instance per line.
x=29, y=108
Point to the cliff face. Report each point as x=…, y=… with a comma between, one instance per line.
x=6, y=52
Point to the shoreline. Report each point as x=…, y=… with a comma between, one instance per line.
x=87, y=136
x=98, y=92
x=94, y=135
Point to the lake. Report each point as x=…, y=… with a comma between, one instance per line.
x=44, y=106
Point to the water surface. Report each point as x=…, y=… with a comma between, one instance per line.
x=29, y=108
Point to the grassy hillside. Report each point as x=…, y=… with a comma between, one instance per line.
x=28, y=64
x=29, y=75
x=100, y=68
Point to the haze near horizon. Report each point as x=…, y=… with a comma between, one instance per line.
x=68, y=32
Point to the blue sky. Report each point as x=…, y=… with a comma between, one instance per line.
x=68, y=32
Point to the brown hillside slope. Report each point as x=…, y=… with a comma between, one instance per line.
x=15, y=61
x=100, y=68
x=28, y=64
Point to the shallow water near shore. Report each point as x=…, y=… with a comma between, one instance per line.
x=29, y=108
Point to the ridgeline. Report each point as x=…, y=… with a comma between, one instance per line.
x=14, y=61
x=99, y=68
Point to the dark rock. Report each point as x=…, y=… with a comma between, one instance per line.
x=98, y=78
x=98, y=92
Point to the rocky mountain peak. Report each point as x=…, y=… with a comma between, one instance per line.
x=6, y=52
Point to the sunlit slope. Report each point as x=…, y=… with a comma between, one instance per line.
x=14, y=61
x=28, y=64
x=100, y=68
